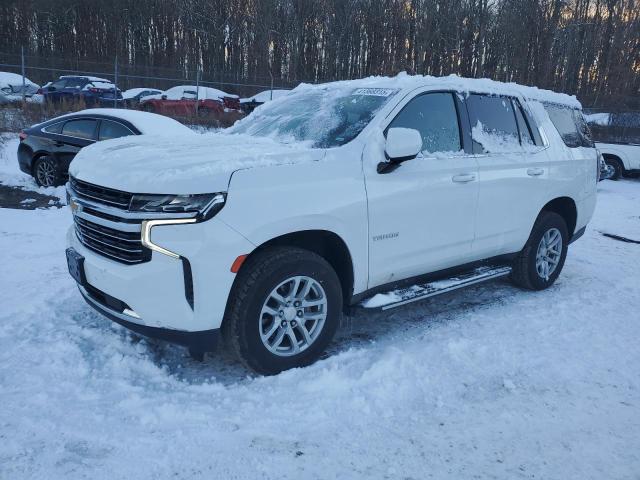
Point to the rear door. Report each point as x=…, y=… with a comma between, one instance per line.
x=512, y=171
x=76, y=134
x=422, y=215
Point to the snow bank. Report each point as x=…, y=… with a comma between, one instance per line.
x=491, y=382
x=10, y=173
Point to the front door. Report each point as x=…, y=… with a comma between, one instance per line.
x=422, y=215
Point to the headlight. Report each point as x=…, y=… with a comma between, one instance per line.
x=205, y=204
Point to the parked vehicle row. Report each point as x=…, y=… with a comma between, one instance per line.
x=352, y=194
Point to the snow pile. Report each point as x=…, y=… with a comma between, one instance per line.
x=10, y=173
x=491, y=382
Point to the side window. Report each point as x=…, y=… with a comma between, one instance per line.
x=75, y=83
x=81, y=128
x=59, y=84
x=563, y=119
x=55, y=128
x=434, y=116
x=493, y=123
x=189, y=95
x=526, y=135
x=109, y=129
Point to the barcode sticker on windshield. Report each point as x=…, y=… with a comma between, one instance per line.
x=376, y=92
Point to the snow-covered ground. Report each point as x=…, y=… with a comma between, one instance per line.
x=491, y=382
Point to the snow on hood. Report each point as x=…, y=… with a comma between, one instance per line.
x=178, y=165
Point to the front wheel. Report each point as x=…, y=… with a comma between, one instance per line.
x=616, y=165
x=284, y=309
x=540, y=262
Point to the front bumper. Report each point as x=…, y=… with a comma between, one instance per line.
x=156, y=291
x=202, y=341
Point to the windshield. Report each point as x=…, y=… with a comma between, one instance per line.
x=322, y=117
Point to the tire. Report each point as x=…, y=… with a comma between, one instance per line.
x=46, y=172
x=526, y=271
x=618, y=168
x=252, y=311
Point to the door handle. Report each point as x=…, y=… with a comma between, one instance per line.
x=535, y=172
x=464, y=178
x=58, y=143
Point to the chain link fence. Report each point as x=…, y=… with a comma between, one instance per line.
x=43, y=69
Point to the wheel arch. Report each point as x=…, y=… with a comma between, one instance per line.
x=566, y=208
x=614, y=157
x=35, y=157
x=325, y=243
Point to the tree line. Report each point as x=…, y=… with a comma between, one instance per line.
x=590, y=48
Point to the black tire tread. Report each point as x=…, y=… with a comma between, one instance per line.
x=521, y=273
x=256, y=266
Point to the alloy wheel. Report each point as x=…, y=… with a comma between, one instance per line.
x=46, y=173
x=549, y=253
x=292, y=316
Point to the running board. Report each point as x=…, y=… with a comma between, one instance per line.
x=402, y=296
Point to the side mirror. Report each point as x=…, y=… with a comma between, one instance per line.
x=164, y=97
x=402, y=144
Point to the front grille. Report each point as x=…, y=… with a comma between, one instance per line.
x=124, y=247
x=104, y=195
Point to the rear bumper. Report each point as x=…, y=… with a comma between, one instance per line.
x=202, y=341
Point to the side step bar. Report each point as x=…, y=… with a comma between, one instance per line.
x=402, y=296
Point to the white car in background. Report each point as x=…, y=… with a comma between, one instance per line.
x=248, y=105
x=12, y=88
x=371, y=193
x=133, y=96
x=617, y=138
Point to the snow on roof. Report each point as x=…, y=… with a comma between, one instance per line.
x=147, y=123
x=9, y=78
x=132, y=92
x=266, y=95
x=205, y=92
x=601, y=119
x=88, y=77
x=106, y=85
x=407, y=82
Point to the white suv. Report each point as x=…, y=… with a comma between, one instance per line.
x=359, y=193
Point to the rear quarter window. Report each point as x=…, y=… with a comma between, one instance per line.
x=570, y=124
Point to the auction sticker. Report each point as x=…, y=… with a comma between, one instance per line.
x=376, y=92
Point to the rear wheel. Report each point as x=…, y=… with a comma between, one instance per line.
x=47, y=172
x=284, y=310
x=540, y=262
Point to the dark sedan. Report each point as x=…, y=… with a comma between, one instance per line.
x=46, y=150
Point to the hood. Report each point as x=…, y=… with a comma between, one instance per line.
x=181, y=165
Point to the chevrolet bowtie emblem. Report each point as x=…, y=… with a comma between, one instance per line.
x=75, y=206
